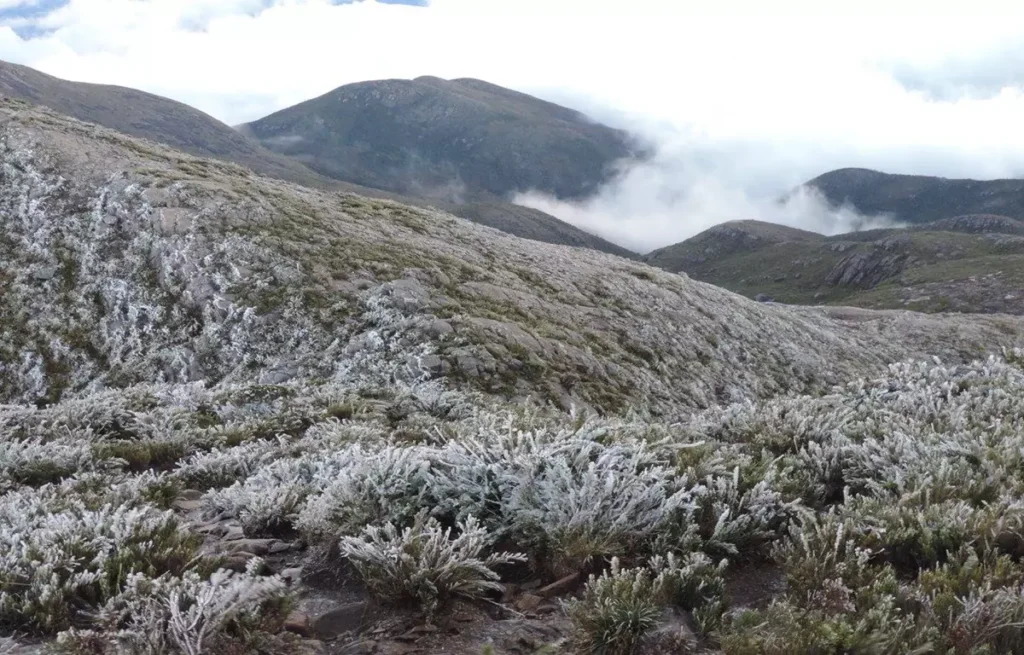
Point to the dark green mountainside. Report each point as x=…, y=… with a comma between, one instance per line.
x=919, y=198
x=444, y=138
x=972, y=263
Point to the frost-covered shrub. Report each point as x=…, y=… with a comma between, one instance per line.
x=737, y=522
x=823, y=548
x=189, y=615
x=58, y=557
x=784, y=628
x=586, y=500
x=619, y=607
x=223, y=467
x=34, y=462
x=616, y=610
x=694, y=583
x=425, y=562
x=387, y=486
x=266, y=503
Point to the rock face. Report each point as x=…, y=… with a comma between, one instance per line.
x=167, y=267
x=866, y=270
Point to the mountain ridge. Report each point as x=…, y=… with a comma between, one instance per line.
x=919, y=198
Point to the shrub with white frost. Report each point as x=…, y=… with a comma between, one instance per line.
x=58, y=557
x=186, y=615
x=387, y=486
x=425, y=562
x=586, y=500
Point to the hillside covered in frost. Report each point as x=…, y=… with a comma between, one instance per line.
x=126, y=262
x=242, y=416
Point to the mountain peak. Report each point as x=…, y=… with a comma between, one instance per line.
x=414, y=136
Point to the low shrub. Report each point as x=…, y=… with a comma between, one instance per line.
x=425, y=562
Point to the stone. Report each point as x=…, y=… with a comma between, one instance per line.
x=346, y=618
x=528, y=602
x=233, y=532
x=292, y=575
x=254, y=546
x=237, y=562
x=190, y=494
x=763, y=297
x=280, y=547
x=431, y=364
x=298, y=623
x=438, y=328
x=45, y=273
x=187, y=505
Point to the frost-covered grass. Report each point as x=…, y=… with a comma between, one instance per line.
x=893, y=506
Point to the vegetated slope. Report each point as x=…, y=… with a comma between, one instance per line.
x=726, y=240
x=207, y=369
x=151, y=117
x=135, y=263
x=448, y=138
x=962, y=264
x=919, y=198
x=167, y=121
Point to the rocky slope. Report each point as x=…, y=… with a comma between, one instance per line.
x=919, y=198
x=446, y=138
x=125, y=261
x=166, y=121
x=240, y=415
x=971, y=263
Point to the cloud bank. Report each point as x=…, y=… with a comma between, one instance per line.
x=742, y=101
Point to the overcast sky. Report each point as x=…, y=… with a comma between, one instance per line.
x=742, y=106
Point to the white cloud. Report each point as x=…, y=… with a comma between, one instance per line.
x=743, y=103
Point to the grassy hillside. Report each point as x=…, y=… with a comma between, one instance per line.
x=445, y=138
x=962, y=264
x=919, y=198
x=239, y=415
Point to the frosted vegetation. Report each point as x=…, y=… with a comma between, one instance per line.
x=893, y=506
x=399, y=392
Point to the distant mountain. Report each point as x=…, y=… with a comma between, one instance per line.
x=918, y=198
x=167, y=121
x=451, y=139
x=725, y=240
x=971, y=263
